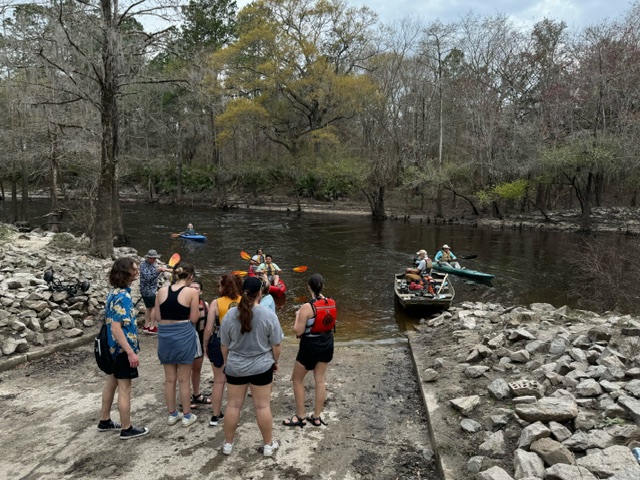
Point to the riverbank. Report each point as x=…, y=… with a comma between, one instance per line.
x=509, y=392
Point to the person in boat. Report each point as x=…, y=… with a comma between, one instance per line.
x=256, y=260
x=190, y=230
x=314, y=326
x=446, y=256
x=420, y=273
x=270, y=269
x=230, y=292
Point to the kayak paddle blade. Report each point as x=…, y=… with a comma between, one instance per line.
x=173, y=261
x=245, y=256
x=300, y=269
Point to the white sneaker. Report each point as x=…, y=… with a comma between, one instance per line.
x=227, y=448
x=269, y=449
x=189, y=421
x=173, y=419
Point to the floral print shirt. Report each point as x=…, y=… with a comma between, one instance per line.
x=149, y=274
x=119, y=308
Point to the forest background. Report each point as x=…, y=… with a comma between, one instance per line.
x=313, y=99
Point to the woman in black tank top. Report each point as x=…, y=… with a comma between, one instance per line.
x=178, y=344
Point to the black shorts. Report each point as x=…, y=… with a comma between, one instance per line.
x=149, y=302
x=258, y=380
x=315, y=349
x=215, y=353
x=122, y=369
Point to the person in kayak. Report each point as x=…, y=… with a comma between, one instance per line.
x=446, y=256
x=256, y=260
x=190, y=230
x=270, y=269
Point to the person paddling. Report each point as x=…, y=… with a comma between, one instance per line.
x=446, y=256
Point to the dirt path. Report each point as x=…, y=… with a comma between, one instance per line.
x=376, y=424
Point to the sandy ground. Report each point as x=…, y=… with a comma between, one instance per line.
x=376, y=419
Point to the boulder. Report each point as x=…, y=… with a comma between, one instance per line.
x=552, y=452
x=548, y=409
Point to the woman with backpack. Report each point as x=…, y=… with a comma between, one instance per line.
x=314, y=325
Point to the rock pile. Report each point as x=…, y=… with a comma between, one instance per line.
x=31, y=313
x=549, y=393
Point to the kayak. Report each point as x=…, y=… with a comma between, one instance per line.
x=462, y=272
x=278, y=290
x=195, y=238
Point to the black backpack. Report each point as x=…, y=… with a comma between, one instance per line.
x=105, y=361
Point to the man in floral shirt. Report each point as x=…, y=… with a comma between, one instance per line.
x=149, y=273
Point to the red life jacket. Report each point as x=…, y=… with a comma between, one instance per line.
x=325, y=314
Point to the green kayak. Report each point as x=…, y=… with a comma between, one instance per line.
x=462, y=272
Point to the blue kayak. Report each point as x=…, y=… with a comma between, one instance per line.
x=195, y=238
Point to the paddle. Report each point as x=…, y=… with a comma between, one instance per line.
x=173, y=261
x=467, y=257
x=442, y=284
x=245, y=255
x=299, y=269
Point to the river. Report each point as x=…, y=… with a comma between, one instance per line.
x=356, y=256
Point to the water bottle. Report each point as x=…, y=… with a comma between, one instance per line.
x=636, y=453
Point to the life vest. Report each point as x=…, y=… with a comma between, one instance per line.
x=269, y=269
x=324, y=316
x=446, y=256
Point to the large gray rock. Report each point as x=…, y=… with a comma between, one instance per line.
x=465, y=405
x=499, y=389
x=548, y=409
x=581, y=441
x=588, y=388
x=527, y=464
x=605, y=463
x=471, y=426
x=494, y=473
x=561, y=471
x=494, y=446
x=552, y=452
x=531, y=433
x=559, y=432
x=631, y=405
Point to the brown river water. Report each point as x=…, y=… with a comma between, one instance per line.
x=356, y=256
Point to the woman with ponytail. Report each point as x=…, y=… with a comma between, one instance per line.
x=178, y=343
x=314, y=325
x=250, y=337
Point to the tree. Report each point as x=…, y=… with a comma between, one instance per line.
x=294, y=72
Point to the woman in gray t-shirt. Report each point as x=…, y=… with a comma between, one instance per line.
x=250, y=339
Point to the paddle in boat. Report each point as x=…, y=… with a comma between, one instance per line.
x=440, y=299
x=462, y=272
x=276, y=290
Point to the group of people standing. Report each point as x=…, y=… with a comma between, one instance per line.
x=239, y=333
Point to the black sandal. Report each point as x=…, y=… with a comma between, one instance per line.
x=200, y=399
x=288, y=422
x=315, y=421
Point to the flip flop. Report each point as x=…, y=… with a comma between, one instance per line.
x=289, y=422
